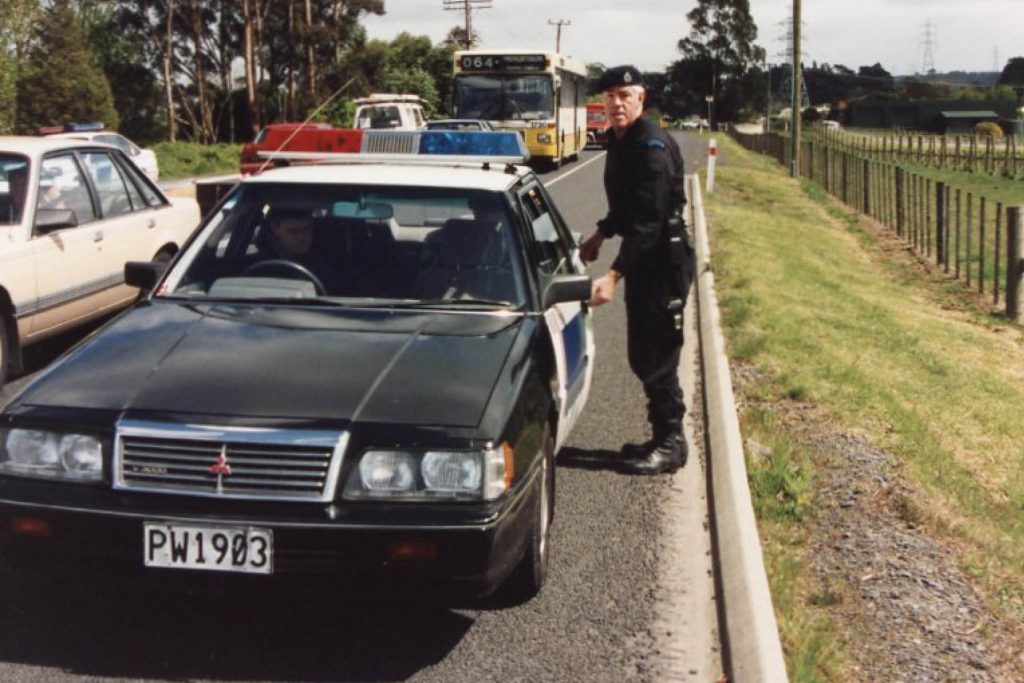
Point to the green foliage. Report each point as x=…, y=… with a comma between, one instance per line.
x=988, y=128
x=16, y=18
x=61, y=81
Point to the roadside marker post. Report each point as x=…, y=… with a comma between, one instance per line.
x=712, y=153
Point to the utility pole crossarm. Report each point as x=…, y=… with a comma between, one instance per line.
x=558, y=35
x=467, y=7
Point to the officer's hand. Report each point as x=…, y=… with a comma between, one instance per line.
x=591, y=247
x=603, y=289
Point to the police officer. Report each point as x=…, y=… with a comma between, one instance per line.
x=643, y=181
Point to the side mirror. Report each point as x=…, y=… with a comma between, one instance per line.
x=565, y=289
x=143, y=274
x=48, y=220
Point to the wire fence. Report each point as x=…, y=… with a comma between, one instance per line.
x=966, y=234
x=1002, y=156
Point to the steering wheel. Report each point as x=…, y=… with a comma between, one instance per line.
x=302, y=270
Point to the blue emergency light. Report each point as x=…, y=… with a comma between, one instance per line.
x=472, y=143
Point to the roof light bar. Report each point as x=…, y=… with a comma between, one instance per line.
x=499, y=147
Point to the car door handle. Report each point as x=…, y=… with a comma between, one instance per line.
x=151, y=223
x=97, y=236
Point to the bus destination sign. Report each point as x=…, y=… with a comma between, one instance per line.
x=537, y=62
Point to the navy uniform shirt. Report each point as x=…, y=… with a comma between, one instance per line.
x=643, y=180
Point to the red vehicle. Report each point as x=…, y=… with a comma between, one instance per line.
x=597, y=125
x=297, y=137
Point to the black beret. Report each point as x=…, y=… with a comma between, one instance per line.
x=618, y=76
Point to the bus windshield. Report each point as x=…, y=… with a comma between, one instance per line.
x=504, y=98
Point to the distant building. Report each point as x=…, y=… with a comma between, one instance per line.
x=933, y=116
x=958, y=122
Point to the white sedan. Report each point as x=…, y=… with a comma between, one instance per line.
x=143, y=158
x=71, y=214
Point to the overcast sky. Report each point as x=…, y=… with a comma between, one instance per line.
x=967, y=35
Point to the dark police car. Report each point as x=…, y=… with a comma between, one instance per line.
x=357, y=370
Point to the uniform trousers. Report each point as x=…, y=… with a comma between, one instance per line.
x=653, y=345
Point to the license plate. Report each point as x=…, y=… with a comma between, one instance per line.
x=226, y=549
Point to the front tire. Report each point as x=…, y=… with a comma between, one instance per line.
x=528, y=578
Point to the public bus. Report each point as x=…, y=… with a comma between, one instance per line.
x=540, y=95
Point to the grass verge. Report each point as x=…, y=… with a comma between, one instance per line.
x=813, y=302
x=190, y=159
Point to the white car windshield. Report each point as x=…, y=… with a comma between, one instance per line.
x=343, y=243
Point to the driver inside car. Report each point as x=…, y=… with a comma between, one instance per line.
x=290, y=250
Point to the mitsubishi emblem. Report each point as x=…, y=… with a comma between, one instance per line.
x=221, y=468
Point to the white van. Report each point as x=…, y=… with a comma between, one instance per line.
x=390, y=111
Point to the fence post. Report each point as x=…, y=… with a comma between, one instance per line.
x=981, y=247
x=865, y=165
x=956, y=259
x=995, y=259
x=926, y=226
x=899, y=201
x=967, y=237
x=940, y=218
x=1014, y=263
x=945, y=247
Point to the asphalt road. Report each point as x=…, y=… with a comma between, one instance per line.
x=629, y=597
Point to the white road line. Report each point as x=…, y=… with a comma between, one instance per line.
x=586, y=163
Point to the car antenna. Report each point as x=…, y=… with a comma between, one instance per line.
x=303, y=124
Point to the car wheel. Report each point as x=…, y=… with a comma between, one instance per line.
x=528, y=577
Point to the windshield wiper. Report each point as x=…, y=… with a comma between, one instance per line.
x=427, y=303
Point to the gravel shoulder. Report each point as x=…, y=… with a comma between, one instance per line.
x=904, y=608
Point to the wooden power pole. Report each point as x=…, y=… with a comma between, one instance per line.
x=558, y=34
x=794, y=139
x=467, y=6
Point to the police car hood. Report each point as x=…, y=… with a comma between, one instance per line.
x=412, y=367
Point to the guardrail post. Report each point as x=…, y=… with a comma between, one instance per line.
x=1014, y=263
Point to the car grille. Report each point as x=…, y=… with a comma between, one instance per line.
x=262, y=464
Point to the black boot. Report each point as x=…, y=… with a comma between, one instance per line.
x=667, y=453
x=632, y=451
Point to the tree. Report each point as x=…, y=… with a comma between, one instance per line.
x=1013, y=72
x=883, y=80
x=61, y=81
x=16, y=19
x=720, y=59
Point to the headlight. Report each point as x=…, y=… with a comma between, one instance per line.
x=544, y=139
x=39, y=453
x=430, y=475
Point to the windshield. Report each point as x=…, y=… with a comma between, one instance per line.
x=349, y=244
x=13, y=187
x=504, y=98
